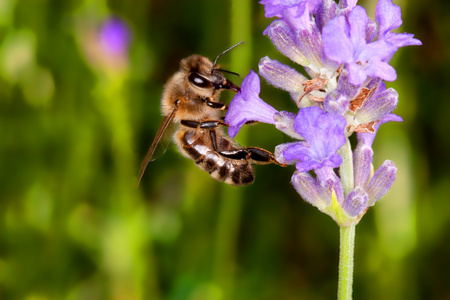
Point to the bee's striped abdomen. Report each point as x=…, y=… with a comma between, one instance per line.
x=198, y=147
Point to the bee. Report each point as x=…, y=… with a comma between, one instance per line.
x=190, y=101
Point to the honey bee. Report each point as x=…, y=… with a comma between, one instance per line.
x=190, y=101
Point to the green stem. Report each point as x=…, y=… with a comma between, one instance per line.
x=346, y=168
x=346, y=253
x=347, y=233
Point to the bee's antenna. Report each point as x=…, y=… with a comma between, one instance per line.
x=215, y=61
x=226, y=71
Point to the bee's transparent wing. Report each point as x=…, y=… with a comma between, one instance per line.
x=160, y=143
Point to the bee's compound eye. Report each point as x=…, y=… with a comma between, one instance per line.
x=199, y=81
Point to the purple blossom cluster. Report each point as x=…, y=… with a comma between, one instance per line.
x=346, y=56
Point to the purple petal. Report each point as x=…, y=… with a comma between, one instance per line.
x=381, y=70
x=295, y=12
x=324, y=133
x=247, y=106
x=336, y=42
x=298, y=17
x=276, y=8
x=402, y=39
x=388, y=16
x=358, y=20
x=356, y=74
x=379, y=50
x=371, y=61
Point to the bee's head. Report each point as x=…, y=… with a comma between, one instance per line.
x=203, y=76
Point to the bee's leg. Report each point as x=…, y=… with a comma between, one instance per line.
x=262, y=156
x=211, y=124
x=216, y=105
x=257, y=155
x=202, y=125
x=189, y=123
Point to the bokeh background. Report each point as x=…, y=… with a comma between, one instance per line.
x=79, y=108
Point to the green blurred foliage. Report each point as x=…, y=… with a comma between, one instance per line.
x=75, y=126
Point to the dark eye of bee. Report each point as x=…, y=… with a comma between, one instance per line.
x=199, y=81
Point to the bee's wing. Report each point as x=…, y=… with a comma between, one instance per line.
x=162, y=131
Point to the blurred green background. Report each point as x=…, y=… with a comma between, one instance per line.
x=75, y=122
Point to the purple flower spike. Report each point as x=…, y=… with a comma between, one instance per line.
x=247, y=106
x=345, y=42
x=389, y=17
x=341, y=91
x=114, y=36
x=324, y=134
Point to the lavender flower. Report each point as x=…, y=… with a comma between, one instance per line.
x=346, y=54
x=106, y=46
x=114, y=37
